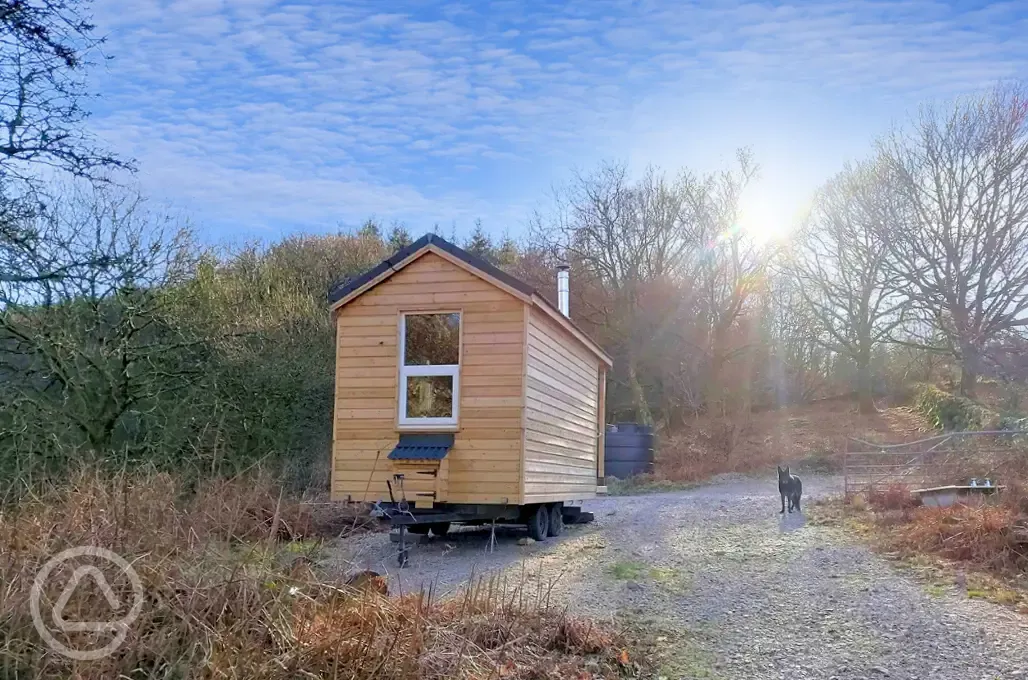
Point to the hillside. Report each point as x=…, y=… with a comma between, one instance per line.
x=813, y=433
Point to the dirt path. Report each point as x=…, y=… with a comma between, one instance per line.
x=728, y=589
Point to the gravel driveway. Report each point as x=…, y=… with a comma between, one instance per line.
x=730, y=589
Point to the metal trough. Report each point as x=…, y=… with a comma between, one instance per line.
x=945, y=496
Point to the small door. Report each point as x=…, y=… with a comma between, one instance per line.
x=420, y=481
x=421, y=459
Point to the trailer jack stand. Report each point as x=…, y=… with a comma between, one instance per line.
x=492, y=536
x=402, y=557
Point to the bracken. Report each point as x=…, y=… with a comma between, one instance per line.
x=224, y=599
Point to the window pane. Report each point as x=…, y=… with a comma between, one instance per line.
x=431, y=339
x=430, y=396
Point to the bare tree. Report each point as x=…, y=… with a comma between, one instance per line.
x=727, y=264
x=842, y=266
x=674, y=275
x=624, y=235
x=88, y=244
x=963, y=175
x=797, y=366
x=44, y=48
x=87, y=335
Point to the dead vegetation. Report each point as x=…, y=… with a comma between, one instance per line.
x=231, y=590
x=993, y=538
x=811, y=437
x=979, y=547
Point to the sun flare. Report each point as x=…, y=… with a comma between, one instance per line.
x=766, y=215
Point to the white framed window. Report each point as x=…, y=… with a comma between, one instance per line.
x=429, y=369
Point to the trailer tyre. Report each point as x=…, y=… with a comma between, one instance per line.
x=440, y=528
x=556, y=527
x=420, y=529
x=539, y=523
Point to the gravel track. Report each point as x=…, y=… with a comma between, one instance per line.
x=734, y=590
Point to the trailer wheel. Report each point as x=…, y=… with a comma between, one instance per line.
x=556, y=527
x=539, y=523
x=420, y=529
x=440, y=528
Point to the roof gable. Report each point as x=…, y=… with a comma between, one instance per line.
x=358, y=285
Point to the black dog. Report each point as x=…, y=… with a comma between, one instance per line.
x=789, y=486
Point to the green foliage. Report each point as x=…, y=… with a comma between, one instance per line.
x=399, y=238
x=203, y=368
x=628, y=570
x=950, y=412
x=480, y=245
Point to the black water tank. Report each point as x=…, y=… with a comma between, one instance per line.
x=628, y=450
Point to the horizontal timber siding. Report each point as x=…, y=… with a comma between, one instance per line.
x=484, y=465
x=561, y=415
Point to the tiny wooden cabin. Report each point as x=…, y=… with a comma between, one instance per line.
x=463, y=390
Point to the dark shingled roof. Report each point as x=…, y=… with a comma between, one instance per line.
x=422, y=447
x=347, y=287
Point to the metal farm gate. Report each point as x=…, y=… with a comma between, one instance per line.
x=943, y=459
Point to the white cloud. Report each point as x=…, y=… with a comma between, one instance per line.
x=268, y=112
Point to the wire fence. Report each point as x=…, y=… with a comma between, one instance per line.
x=952, y=458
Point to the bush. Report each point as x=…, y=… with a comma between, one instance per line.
x=950, y=412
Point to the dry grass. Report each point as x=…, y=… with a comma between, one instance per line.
x=992, y=538
x=810, y=436
x=226, y=596
x=894, y=497
x=988, y=534
x=982, y=546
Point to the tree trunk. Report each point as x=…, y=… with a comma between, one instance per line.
x=968, y=380
x=865, y=392
x=715, y=387
x=642, y=409
x=969, y=369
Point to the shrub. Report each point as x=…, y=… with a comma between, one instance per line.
x=950, y=412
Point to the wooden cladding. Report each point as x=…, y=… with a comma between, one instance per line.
x=530, y=408
x=561, y=415
x=484, y=464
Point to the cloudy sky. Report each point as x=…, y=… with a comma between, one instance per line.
x=259, y=118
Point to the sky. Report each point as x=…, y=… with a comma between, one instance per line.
x=258, y=118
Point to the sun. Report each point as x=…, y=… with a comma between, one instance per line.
x=768, y=214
